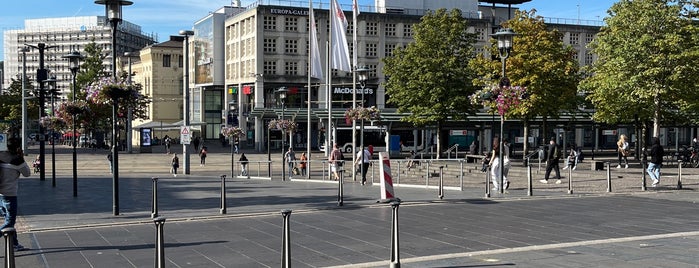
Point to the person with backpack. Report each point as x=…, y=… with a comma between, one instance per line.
x=202, y=156
x=552, y=157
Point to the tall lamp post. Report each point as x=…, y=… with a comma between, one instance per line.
x=53, y=91
x=113, y=10
x=41, y=76
x=504, y=38
x=362, y=76
x=185, y=106
x=24, y=51
x=74, y=59
x=282, y=96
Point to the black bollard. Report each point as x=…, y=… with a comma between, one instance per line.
x=609, y=178
x=154, y=200
x=570, y=180
x=159, y=242
x=395, y=249
x=529, y=181
x=440, y=194
x=487, y=184
x=643, y=171
x=679, y=175
x=223, y=194
x=286, y=240
x=340, y=189
x=9, y=234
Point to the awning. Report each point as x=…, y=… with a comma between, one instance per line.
x=155, y=124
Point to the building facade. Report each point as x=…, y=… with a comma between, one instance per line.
x=63, y=35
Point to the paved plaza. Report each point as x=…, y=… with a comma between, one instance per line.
x=590, y=228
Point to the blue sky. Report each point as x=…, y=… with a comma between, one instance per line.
x=167, y=17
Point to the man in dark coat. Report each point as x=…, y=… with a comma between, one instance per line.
x=552, y=158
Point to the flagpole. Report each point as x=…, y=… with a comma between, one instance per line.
x=308, y=97
x=355, y=10
x=328, y=128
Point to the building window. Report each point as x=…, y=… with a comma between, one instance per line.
x=270, y=45
x=291, y=24
x=480, y=34
x=390, y=29
x=576, y=55
x=291, y=46
x=589, y=38
x=180, y=61
x=270, y=67
x=270, y=23
x=388, y=49
x=407, y=30
x=372, y=28
x=291, y=68
x=588, y=58
x=166, y=60
x=350, y=27
x=371, y=49
x=574, y=38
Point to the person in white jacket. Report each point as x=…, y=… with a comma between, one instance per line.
x=12, y=164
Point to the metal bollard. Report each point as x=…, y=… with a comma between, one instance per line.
x=679, y=175
x=427, y=175
x=395, y=249
x=609, y=178
x=9, y=234
x=487, y=184
x=643, y=171
x=286, y=240
x=461, y=176
x=223, y=194
x=340, y=190
x=154, y=201
x=159, y=242
x=570, y=180
x=441, y=183
x=529, y=180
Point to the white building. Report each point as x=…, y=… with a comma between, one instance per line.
x=64, y=35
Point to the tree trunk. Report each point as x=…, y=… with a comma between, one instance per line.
x=439, y=139
x=656, y=116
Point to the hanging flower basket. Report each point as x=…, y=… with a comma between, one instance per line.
x=229, y=132
x=288, y=125
x=52, y=122
x=500, y=98
x=74, y=107
x=107, y=90
x=372, y=113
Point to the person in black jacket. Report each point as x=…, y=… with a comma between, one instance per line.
x=552, y=157
x=656, y=161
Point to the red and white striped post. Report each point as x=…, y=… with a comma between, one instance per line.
x=387, y=194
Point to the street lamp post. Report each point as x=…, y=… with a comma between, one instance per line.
x=185, y=106
x=53, y=91
x=24, y=51
x=129, y=113
x=113, y=10
x=74, y=58
x=504, y=38
x=282, y=96
x=362, y=76
x=41, y=76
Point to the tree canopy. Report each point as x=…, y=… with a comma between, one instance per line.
x=647, y=63
x=430, y=78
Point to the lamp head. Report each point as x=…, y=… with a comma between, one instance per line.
x=74, y=57
x=113, y=8
x=186, y=32
x=504, y=38
x=362, y=74
x=282, y=92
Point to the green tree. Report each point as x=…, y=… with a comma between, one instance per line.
x=11, y=104
x=647, y=63
x=541, y=63
x=430, y=79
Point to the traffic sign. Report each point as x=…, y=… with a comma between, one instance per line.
x=185, y=134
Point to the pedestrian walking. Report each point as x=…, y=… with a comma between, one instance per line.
x=168, y=142
x=335, y=159
x=12, y=164
x=196, y=142
x=656, y=161
x=552, y=157
x=302, y=164
x=109, y=158
x=362, y=161
x=495, y=165
x=202, y=156
x=623, y=150
x=243, y=165
x=175, y=162
x=290, y=158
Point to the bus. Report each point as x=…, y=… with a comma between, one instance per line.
x=373, y=135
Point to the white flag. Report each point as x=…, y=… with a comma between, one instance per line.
x=355, y=13
x=340, y=51
x=315, y=64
